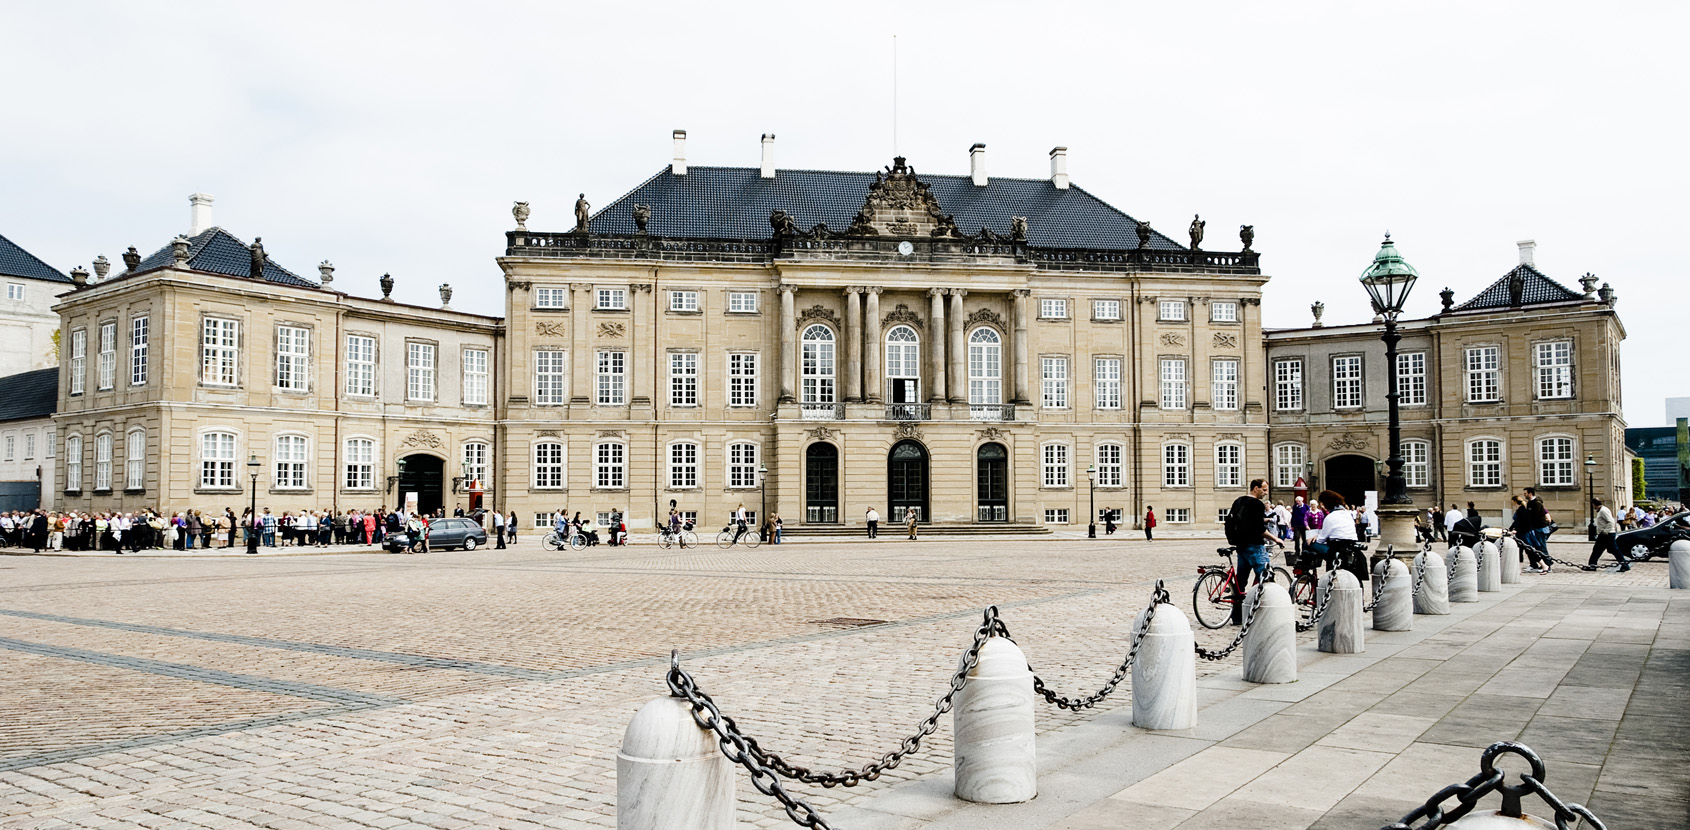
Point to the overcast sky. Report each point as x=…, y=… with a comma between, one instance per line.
x=395, y=136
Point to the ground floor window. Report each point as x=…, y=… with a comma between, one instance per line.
x=1178, y=515
x=1056, y=516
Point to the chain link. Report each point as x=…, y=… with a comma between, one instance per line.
x=1249, y=620
x=1158, y=597
x=1379, y=583
x=1490, y=779
x=1544, y=555
x=1320, y=607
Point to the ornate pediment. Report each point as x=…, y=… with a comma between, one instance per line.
x=902, y=314
x=985, y=315
x=422, y=438
x=818, y=312
x=899, y=204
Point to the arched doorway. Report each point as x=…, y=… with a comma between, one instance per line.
x=424, y=475
x=1351, y=476
x=991, y=476
x=821, y=484
x=906, y=481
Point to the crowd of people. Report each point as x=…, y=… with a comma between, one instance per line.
x=210, y=529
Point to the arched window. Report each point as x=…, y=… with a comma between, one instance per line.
x=818, y=365
x=1484, y=462
x=742, y=464
x=903, y=365
x=475, y=462
x=360, y=458
x=135, y=453
x=217, y=461
x=73, y=462
x=1108, y=465
x=611, y=466
x=1176, y=465
x=1288, y=463
x=290, y=462
x=1555, y=461
x=102, y=461
x=683, y=465
x=1229, y=466
x=1416, y=467
x=985, y=373
x=548, y=465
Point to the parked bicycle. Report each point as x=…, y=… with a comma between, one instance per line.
x=1212, y=597
x=684, y=537
x=576, y=540
x=725, y=539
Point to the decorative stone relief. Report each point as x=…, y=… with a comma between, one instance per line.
x=1225, y=340
x=545, y=329
x=1172, y=339
x=1349, y=441
x=906, y=429
x=992, y=434
x=643, y=288
x=817, y=312
x=546, y=433
x=820, y=433
x=612, y=433
x=902, y=314
x=519, y=284
x=985, y=315
x=422, y=438
x=1230, y=436
x=611, y=329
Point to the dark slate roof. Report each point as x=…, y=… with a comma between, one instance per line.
x=217, y=251
x=735, y=202
x=1538, y=289
x=29, y=394
x=17, y=262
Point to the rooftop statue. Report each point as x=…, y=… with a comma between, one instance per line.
x=1196, y=231
x=783, y=223
x=520, y=211
x=1143, y=229
x=583, y=212
x=1247, y=235
x=642, y=215
x=256, y=271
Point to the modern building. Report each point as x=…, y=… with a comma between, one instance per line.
x=28, y=443
x=1677, y=408
x=1666, y=460
x=27, y=321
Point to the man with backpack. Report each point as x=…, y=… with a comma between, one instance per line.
x=1247, y=529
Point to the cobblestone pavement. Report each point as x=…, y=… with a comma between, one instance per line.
x=490, y=688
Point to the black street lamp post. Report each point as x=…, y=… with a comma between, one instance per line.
x=1388, y=281
x=1091, y=501
x=1590, y=492
x=252, y=528
x=763, y=515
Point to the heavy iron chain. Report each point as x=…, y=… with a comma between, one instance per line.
x=1467, y=795
x=1320, y=607
x=1543, y=554
x=1249, y=620
x=1158, y=597
x=1379, y=583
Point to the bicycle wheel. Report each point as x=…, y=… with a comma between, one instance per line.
x=1303, y=588
x=1209, y=600
x=724, y=540
x=751, y=539
x=578, y=542
x=689, y=539
x=1282, y=576
x=550, y=542
x=664, y=540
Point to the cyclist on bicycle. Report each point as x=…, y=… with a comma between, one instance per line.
x=560, y=524
x=1247, y=529
x=1338, y=542
x=739, y=522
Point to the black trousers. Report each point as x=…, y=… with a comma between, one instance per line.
x=1603, y=542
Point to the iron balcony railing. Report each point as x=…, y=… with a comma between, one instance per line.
x=822, y=411
x=991, y=412
x=908, y=411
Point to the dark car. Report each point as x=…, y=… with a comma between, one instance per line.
x=1653, y=540
x=442, y=535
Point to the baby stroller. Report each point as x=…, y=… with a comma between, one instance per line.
x=1468, y=532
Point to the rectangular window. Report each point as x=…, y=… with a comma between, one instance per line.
x=1553, y=364
x=1346, y=382
x=612, y=472
x=612, y=299
x=14, y=291
x=548, y=466
x=73, y=463
x=419, y=377
x=1176, y=465
x=102, y=462
x=1055, y=383
x=1287, y=385
x=1223, y=312
x=683, y=379
x=290, y=462
x=1053, y=308
x=220, y=351
x=613, y=378
x=52, y=448
x=293, y=356
x=683, y=301
x=742, y=465
x=1108, y=383
x=1411, y=379
x=548, y=378
x=360, y=365
x=1484, y=463
x=138, y=351
x=1056, y=465
x=742, y=379
x=1178, y=515
x=1229, y=466
x=78, y=359
x=1106, y=309
x=108, y=354
x=1223, y=388
x=1171, y=310
x=551, y=298
x=28, y=446
x=217, y=461
x=1173, y=383
x=135, y=460
x=742, y=302
x=1109, y=465
x=1415, y=463
x=475, y=463
x=1288, y=464
x=1555, y=462
x=1056, y=515
x=683, y=466
x=475, y=377
x=11, y=447
x=1484, y=374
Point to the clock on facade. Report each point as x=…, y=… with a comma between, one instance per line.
x=906, y=247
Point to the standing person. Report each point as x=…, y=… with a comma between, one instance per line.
x=1533, y=523
x=1247, y=530
x=1452, y=517
x=499, y=529
x=267, y=523
x=777, y=527
x=909, y=519
x=1606, y=527
x=1299, y=523
x=873, y=519
x=1150, y=521
x=38, y=530
x=739, y=522
x=510, y=526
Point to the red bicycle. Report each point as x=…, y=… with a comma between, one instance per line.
x=1212, y=598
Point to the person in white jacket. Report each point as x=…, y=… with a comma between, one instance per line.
x=1606, y=527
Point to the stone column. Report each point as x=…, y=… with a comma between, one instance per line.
x=640, y=314
x=581, y=354
x=871, y=345
x=958, y=367
x=936, y=345
x=788, y=343
x=1023, y=299
x=853, y=369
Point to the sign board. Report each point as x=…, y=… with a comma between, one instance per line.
x=1371, y=500
x=410, y=504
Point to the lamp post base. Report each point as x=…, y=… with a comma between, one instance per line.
x=1396, y=530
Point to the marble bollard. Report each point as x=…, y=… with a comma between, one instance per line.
x=1510, y=554
x=1394, y=610
x=1433, y=596
x=1490, y=567
x=1270, y=649
x=1678, y=565
x=1165, y=673
x=994, y=759
x=1498, y=820
x=1340, y=630
x=670, y=773
x=1463, y=575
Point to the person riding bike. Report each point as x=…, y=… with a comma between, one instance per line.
x=1338, y=543
x=739, y=522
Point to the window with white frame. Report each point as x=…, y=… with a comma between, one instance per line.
x=1171, y=310
x=1289, y=462
x=1411, y=379
x=742, y=302
x=475, y=377
x=1223, y=386
x=1106, y=309
x=742, y=465
x=683, y=378
x=1176, y=465
x=360, y=365
x=419, y=375
x=1223, y=312
x=611, y=468
x=1053, y=308
x=1484, y=463
x=1229, y=466
x=1484, y=374
x=293, y=357
x=1177, y=515
x=1108, y=382
x=1346, y=381
x=360, y=460
x=52, y=447
x=985, y=367
x=73, y=462
x=549, y=367
x=612, y=299
x=217, y=460
x=548, y=465
x=476, y=454
x=683, y=301
x=290, y=462
x=78, y=359
x=1416, y=463
x=14, y=291
x=1054, y=382
x=1287, y=385
x=1173, y=383
x=135, y=459
x=903, y=365
x=28, y=446
x=11, y=447
x=742, y=379
x=138, y=351
x=1056, y=515
x=1108, y=465
x=108, y=355
x=817, y=371
x=220, y=351
x=1552, y=363
x=551, y=297
x=1555, y=462
x=1056, y=465
x=612, y=377
x=683, y=465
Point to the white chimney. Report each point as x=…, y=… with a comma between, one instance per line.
x=768, y=155
x=680, y=162
x=977, y=164
x=1059, y=167
x=1527, y=248
x=200, y=213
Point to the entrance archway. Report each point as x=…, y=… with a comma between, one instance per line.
x=821, y=484
x=1351, y=476
x=991, y=482
x=424, y=475
x=906, y=481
